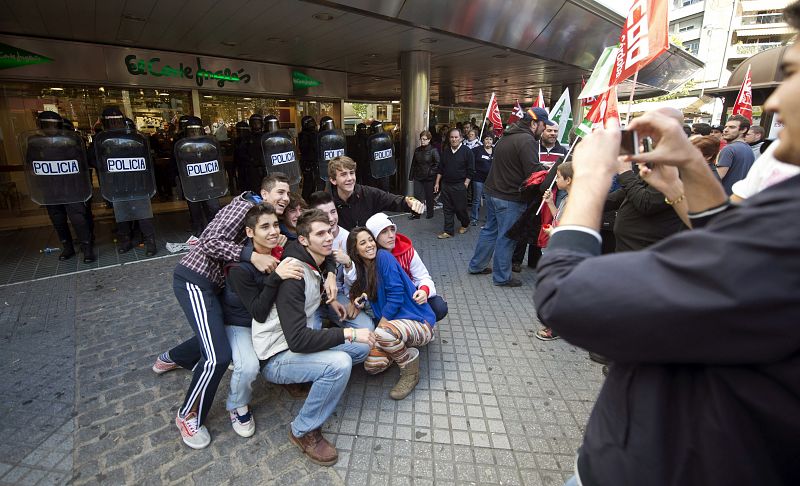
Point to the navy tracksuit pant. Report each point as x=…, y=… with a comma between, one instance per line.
x=203, y=310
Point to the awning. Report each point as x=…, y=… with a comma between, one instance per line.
x=690, y=105
x=765, y=72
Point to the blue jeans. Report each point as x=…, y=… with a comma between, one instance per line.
x=245, y=366
x=328, y=370
x=477, y=195
x=361, y=321
x=573, y=481
x=500, y=217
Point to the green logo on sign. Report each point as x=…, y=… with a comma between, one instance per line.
x=11, y=57
x=303, y=81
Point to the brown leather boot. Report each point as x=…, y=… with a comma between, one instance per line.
x=409, y=377
x=316, y=447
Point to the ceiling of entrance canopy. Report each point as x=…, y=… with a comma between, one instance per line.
x=510, y=47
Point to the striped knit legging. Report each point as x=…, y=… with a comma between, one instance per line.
x=393, y=340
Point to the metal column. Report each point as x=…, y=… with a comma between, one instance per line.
x=415, y=96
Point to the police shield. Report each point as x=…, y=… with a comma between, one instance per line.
x=331, y=144
x=381, y=155
x=56, y=167
x=126, y=173
x=279, y=155
x=200, y=168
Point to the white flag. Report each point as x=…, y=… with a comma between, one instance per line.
x=562, y=115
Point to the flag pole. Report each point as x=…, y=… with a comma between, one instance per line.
x=486, y=116
x=552, y=183
x=630, y=98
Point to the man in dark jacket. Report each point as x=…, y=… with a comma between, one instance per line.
x=355, y=203
x=702, y=327
x=515, y=159
x=293, y=352
x=456, y=169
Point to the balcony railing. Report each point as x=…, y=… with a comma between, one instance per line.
x=762, y=19
x=750, y=49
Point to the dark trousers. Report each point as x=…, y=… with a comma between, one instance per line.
x=427, y=195
x=204, y=312
x=79, y=214
x=438, y=306
x=125, y=229
x=201, y=213
x=454, y=203
x=311, y=182
x=534, y=253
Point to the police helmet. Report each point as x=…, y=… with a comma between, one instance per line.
x=49, y=120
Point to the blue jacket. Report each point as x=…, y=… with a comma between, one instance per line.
x=394, y=293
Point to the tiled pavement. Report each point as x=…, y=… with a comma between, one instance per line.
x=494, y=406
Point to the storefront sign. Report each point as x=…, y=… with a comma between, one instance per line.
x=49, y=60
x=11, y=57
x=154, y=67
x=303, y=81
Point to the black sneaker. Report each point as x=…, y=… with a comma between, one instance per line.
x=512, y=282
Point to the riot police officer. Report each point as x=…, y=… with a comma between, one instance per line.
x=255, y=165
x=58, y=178
x=308, y=146
x=241, y=158
x=379, y=142
x=126, y=178
x=201, y=172
x=360, y=155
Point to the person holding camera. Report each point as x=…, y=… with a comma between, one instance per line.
x=701, y=328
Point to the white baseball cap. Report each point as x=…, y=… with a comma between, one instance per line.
x=379, y=222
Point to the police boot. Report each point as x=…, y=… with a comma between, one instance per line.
x=87, y=248
x=125, y=244
x=409, y=377
x=68, y=250
x=150, y=247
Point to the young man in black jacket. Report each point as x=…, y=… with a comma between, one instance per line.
x=292, y=352
x=456, y=170
x=355, y=203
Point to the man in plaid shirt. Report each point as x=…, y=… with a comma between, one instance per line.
x=197, y=282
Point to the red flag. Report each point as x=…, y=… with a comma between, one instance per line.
x=644, y=37
x=493, y=115
x=539, y=101
x=516, y=114
x=744, y=101
x=605, y=107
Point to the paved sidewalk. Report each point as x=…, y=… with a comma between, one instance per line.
x=494, y=405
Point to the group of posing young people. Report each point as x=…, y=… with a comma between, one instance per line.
x=266, y=275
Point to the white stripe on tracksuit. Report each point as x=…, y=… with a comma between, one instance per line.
x=201, y=318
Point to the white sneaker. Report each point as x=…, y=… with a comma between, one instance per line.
x=243, y=422
x=193, y=436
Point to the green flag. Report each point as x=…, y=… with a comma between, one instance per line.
x=599, y=81
x=561, y=114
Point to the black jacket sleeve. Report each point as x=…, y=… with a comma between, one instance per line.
x=470, y=165
x=614, y=200
x=641, y=195
x=689, y=299
x=435, y=160
x=291, y=312
x=379, y=200
x=258, y=302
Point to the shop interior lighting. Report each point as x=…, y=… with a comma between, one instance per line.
x=395, y=102
x=324, y=16
x=281, y=101
x=56, y=89
x=247, y=99
x=163, y=94
x=207, y=96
